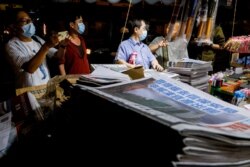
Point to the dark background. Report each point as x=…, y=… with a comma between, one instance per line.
x=104, y=19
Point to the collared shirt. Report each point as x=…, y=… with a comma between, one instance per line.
x=144, y=55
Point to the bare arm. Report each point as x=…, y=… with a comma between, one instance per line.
x=154, y=47
x=216, y=46
x=60, y=55
x=32, y=65
x=62, y=69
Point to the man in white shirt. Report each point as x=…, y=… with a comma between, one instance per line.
x=27, y=56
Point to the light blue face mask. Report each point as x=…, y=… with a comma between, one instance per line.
x=29, y=30
x=143, y=35
x=81, y=28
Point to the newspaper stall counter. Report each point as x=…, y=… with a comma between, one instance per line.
x=192, y=113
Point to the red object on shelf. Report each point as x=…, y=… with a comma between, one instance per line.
x=238, y=44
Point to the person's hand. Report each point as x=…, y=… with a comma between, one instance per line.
x=130, y=65
x=162, y=43
x=232, y=46
x=206, y=44
x=64, y=42
x=157, y=66
x=53, y=40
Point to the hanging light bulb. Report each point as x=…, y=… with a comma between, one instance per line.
x=151, y=2
x=113, y=1
x=167, y=2
x=90, y=1
x=134, y=1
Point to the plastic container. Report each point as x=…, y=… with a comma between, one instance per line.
x=132, y=58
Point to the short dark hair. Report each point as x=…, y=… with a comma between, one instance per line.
x=11, y=20
x=135, y=23
x=12, y=15
x=72, y=18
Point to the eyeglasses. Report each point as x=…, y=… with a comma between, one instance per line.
x=24, y=21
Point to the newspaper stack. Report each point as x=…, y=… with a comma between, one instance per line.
x=209, y=148
x=5, y=128
x=114, y=67
x=215, y=132
x=134, y=73
x=192, y=72
x=151, y=73
x=103, y=76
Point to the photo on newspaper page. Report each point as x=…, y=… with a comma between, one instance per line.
x=179, y=102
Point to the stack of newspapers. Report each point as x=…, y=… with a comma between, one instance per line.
x=102, y=76
x=214, y=132
x=114, y=67
x=193, y=72
x=209, y=147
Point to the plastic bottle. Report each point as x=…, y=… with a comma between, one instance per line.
x=132, y=58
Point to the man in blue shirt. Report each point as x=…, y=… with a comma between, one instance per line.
x=134, y=47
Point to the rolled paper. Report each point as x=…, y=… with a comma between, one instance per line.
x=201, y=29
x=211, y=8
x=184, y=20
x=208, y=31
x=173, y=19
x=188, y=31
x=193, y=6
x=211, y=11
x=203, y=18
x=182, y=29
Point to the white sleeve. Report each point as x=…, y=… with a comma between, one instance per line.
x=16, y=54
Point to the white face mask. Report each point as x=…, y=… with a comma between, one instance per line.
x=29, y=30
x=143, y=35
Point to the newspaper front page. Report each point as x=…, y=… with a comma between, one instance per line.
x=175, y=102
x=193, y=113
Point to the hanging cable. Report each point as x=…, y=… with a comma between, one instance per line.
x=235, y=5
x=125, y=25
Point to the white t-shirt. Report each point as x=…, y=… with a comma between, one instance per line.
x=18, y=53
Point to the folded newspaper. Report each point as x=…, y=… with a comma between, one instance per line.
x=102, y=76
x=114, y=67
x=187, y=64
x=189, y=111
x=134, y=73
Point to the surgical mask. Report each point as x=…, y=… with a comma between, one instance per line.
x=81, y=28
x=29, y=30
x=143, y=35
